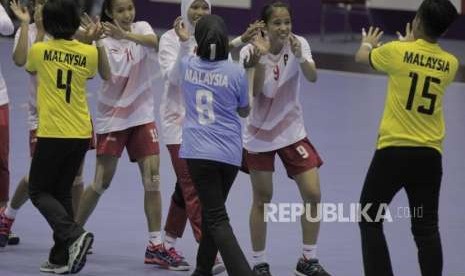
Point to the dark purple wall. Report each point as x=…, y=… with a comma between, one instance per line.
x=306, y=16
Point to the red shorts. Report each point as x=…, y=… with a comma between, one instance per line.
x=297, y=158
x=4, y=152
x=140, y=141
x=33, y=141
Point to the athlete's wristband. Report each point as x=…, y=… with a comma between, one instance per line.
x=368, y=45
x=237, y=42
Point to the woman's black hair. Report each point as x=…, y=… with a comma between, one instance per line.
x=61, y=18
x=106, y=6
x=211, y=35
x=436, y=16
x=267, y=10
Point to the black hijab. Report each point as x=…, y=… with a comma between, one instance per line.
x=212, y=38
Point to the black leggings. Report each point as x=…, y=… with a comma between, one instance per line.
x=213, y=180
x=419, y=171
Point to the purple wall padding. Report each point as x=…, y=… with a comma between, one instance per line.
x=306, y=16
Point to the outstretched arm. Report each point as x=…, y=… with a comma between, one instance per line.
x=370, y=40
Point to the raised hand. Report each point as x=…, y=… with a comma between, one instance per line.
x=93, y=30
x=20, y=11
x=408, y=34
x=253, y=58
x=181, y=30
x=114, y=30
x=372, y=37
x=296, y=46
x=252, y=31
x=262, y=43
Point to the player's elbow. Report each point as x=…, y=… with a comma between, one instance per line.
x=20, y=62
x=313, y=78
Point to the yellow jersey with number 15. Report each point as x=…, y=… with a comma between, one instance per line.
x=62, y=68
x=419, y=73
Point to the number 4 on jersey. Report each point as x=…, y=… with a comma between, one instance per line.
x=66, y=86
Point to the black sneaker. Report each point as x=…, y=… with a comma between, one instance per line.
x=13, y=239
x=78, y=251
x=309, y=267
x=262, y=269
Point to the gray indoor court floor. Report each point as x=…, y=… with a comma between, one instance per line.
x=342, y=112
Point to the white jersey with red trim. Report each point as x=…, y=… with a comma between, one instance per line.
x=276, y=119
x=6, y=28
x=32, y=97
x=172, y=109
x=127, y=99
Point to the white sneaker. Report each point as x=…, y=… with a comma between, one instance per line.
x=48, y=267
x=77, y=252
x=218, y=267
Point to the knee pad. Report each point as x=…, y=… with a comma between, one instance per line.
x=152, y=184
x=78, y=181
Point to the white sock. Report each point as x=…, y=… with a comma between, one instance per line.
x=155, y=237
x=258, y=257
x=10, y=212
x=309, y=251
x=169, y=241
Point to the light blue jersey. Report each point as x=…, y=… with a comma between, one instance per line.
x=213, y=91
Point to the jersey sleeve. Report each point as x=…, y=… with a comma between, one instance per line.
x=6, y=25
x=168, y=53
x=33, y=58
x=306, y=51
x=453, y=70
x=382, y=58
x=242, y=86
x=245, y=53
x=93, y=61
x=144, y=28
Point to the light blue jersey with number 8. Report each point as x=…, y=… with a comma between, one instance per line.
x=213, y=91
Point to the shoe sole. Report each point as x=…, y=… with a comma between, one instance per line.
x=55, y=271
x=217, y=269
x=77, y=263
x=167, y=267
x=297, y=273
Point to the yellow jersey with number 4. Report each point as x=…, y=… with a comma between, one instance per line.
x=419, y=73
x=62, y=68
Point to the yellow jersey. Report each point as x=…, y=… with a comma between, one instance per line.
x=419, y=73
x=62, y=68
